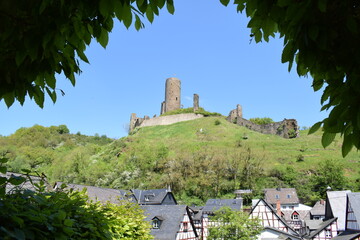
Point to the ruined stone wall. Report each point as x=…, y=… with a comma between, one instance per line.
x=166, y=120
x=172, y=94
x=288, y=128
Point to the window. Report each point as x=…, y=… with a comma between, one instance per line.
x=291, y=207
x=295, y=216
x=147, y=198
x=277, y=196
x=327, y=233
x=156, y=223
x=288, y=196
x=185, y=226
x=283, y=207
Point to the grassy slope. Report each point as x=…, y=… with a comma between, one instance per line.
x=185, y=137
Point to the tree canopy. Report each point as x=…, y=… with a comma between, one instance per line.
x=40, y=39
x=43, y=38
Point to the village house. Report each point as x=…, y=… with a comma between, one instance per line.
x=288, y=206
x=170, y=222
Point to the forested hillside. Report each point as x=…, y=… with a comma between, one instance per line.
x=199, y=159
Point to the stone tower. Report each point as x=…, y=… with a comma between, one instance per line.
x=172, y=95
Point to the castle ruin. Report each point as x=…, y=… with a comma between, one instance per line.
x=287, y=128
x=172, y=102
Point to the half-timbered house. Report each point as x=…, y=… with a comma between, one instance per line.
x=327, y=229
x=275, y=227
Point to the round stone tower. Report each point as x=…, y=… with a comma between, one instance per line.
x=172, y=94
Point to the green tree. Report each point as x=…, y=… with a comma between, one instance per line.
x=322, y=38
x=329, y=174
x=233, y=225
x=42, y=38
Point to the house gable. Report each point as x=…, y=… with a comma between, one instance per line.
x=269, y=218
x=353, y=212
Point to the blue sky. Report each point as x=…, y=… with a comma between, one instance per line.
x=205, y=45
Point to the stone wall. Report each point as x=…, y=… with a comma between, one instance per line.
x=288, y=128
x=166, y=120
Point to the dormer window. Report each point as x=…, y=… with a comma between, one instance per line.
x=277, y=196
x=147, y=198
x=156, y=222
x=288, y=196
x=295, y=216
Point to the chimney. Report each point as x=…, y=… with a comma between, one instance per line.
x=278, y=208
x=322, y=202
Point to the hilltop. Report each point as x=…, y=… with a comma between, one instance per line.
x=200, y=159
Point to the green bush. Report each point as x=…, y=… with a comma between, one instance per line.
x=217, y=122
x=261, y=121
x=65, y=214
x=191, y=110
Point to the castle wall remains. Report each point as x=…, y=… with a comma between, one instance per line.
x=288, y=128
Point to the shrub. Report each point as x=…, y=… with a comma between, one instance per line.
x=65, y=214
x=261, y=121
x=217, y=122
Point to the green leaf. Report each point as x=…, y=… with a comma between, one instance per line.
x=105, y=7
x=82, y=55
x=170, y=6
x=315, y=127
x=138, y=23
x=9, y=98
x=149, y=14
x=68, y=222
x=50, y=81
x=4, y=160
x=15, y=180
x=313, y=32
x=317, y=84
x=225, y=2
x=322, y=5
x=3, y=169
x=103, y=39
x=327, y=138
x=284, y=3
x=3, y=180
x=288, y=53
x=347, y=145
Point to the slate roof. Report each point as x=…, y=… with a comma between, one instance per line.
x=319, y=208
x=24, y=186
x=100, y=194
x=336, y=207
x=215, y=204
x=354, y=200
x=282, y=232
x=321, y=227
x=152, y=196
x=347, y=235
x=285, y=195
x=172, y=216
x=312, y=225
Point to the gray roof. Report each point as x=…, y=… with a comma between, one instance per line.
x=313, y=224
x=321, y=227
x=347, y=235
x=172, y=216
x=100, y=194
x=25, y=185
x=354, y=201
x=318, y=208
x=285, y=195
x=152, y=196
x=215, y=204
x=282, y=232
x=336, y=201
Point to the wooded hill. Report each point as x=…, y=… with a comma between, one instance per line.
x=199, y=159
